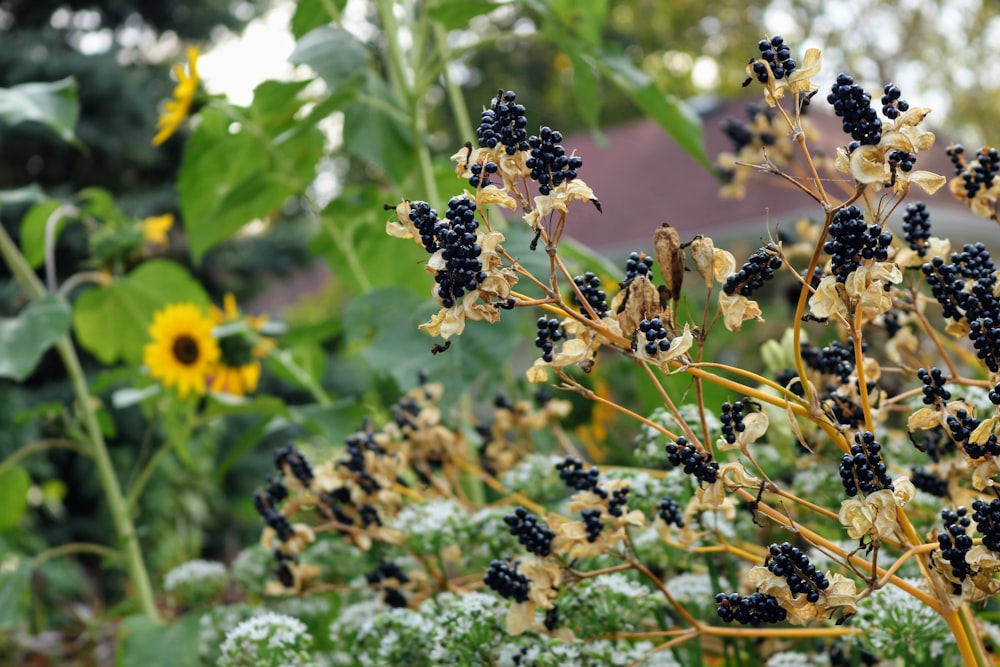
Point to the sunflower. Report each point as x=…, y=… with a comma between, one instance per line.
x=238, y=369
x=154, y=229
x=176, y=110
x=183, y=350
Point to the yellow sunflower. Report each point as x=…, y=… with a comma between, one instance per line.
x=183, y=351
x=154, y=229
x=238, y=369
x=176, y=110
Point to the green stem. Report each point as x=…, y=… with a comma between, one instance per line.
x=135, y=490
x=74, y=548
x=40, y=446
x=341, y=238
x=455, y=97
x=284, y=359
x=408, y=94
x=105, y=470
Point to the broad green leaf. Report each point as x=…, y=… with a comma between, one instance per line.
x=672, y=114
x=333, y=422
x=33, y=231
x=25, y=338
x=586, y=92
x=112, y=322
x=311, y=14
x=384, y=324
x=375, y=132
x=231, y=178
x=333, y=53
x=149, y=643
x=100, y=204
x=15, y=586
x=14, y=485
x=223, y=405
x=310, y=358
x=275, y=104
x=353, y=241
x=28, y=194
x=454, y=14
x=583, y=19
x=53, y=104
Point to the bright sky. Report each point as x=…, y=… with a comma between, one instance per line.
x=237, y=63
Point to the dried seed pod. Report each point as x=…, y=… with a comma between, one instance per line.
x=670, y=257
x=703, y=254
x=639, y=302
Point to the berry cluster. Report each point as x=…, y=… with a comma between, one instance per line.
x=978, y=305
x=549, y=164
x=592, y=522
x=290, y=459
x=955, y=153
x=754, y=609
x=590, y=287
x=356, y=445
x=284, y=570
x=732, y=420
x=503, y=124
x=387, y=571
x=980, y=174
x=656, y=336
x=987, y=518
x=853, y=240
x=758, y=269
x=994, y=395
x=863, y=468
x=917, y=227
x=929, y=482
x=264, y=501
x=836, y=359
x=933, y=386
x=776, y=54
x=892, y=105
x=854, y=105
x=901, y=160
x=426, y=220
x=571, y=472
x=789, y=562
x=695, y=463
x=671, y=512
x=844, y=410
x=457, y=238
x=534, y=536
x=953, y=541
x=481, y=173
x=935, y=444
x=637, y=265
x=743, y=134
x=619, y=498
x=961, y=425
x=547, y=334
x=502, y=576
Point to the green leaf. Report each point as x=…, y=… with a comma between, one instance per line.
x=275, y=104
x=374, y=131
x=333, y=53
x=352, y=240
x=100, y=204
x=454, y=14
x=33, y=231
x=310, y=358
x=672, y=114
x=585, y=89
x=25, y=338
x=14, y=485
x=219, y=405
x=384, y=325
x=112, y=322
x=311, y=14
x=15, y=586
x=142, y=641
x=332, y=422
x=53, y=104
x=583, y=19
x=231, y=178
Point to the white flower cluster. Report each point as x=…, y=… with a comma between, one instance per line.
x=695, y=590
x=536, y=475
x=901, y=626
x=267, y=640
x=650, y=444
x=790, y=659
x=196, y=580
x=429, y=525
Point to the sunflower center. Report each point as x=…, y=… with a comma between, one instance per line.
x=186, y=350
x=235, y=350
